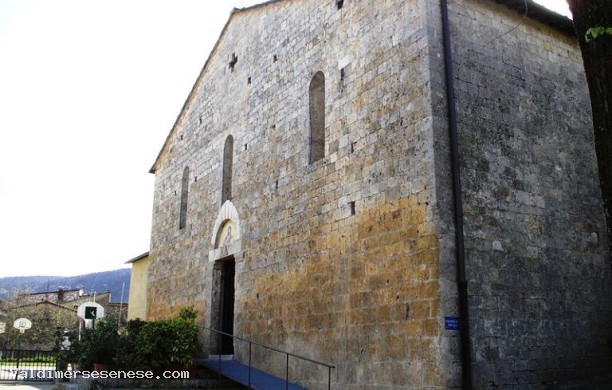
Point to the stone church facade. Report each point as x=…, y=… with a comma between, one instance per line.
x=304, y=197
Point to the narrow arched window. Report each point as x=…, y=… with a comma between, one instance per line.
x=317, y=117
x=228, y=157
x=184, y=198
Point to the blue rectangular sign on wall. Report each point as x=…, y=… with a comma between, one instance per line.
x=451, y=323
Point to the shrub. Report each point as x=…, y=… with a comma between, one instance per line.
x=98, y=345
x=162, y=343
x=152, y=345
x=128, y=355
x=186, y=344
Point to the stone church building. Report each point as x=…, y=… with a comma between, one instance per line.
x=407, y=193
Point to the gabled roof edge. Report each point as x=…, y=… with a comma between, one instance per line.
x=191, y=95
x=527, y=7
x=234, y=11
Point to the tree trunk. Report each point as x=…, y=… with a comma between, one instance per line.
x=597, y=58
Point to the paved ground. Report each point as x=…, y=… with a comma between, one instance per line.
x=26, y=385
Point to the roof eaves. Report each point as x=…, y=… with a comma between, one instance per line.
x=540, y=13
x=139, y=257
x=49, y=292
x=45, y=303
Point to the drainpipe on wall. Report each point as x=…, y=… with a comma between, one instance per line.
x=464, y=329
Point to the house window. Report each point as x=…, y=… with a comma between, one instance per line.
x=184, y=197
x=317, y=117
x=228, y=157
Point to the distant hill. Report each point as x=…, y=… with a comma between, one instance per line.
x=99, y=281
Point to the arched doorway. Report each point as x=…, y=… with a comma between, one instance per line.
x=226, y=253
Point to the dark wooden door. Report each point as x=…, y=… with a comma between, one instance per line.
x=227, y=305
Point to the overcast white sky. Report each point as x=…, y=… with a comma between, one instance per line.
x=88, y=92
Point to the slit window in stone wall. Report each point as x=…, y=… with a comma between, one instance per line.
x=317, y=117
x=228, y=157
x=233, y=62
x=184, y=199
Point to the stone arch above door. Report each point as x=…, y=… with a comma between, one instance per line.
x=226, y=233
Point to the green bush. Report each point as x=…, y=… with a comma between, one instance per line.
x=128, y=355
x=98, y=345
x=163, y=343
x=152, y=345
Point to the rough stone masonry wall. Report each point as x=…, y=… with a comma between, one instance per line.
x=447, y=278
x=539, y=277
x=356, y=289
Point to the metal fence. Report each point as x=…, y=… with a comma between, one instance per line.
x=27, y=365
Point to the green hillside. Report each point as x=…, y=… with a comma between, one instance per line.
x=114, y=281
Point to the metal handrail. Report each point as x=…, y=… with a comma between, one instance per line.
x=287, y=354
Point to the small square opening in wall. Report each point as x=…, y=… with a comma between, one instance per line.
x=339, y=3
x=352, y=207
